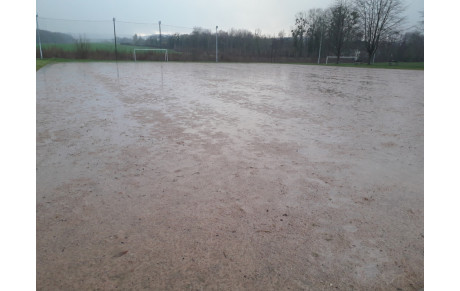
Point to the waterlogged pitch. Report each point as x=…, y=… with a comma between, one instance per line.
x=190, y=176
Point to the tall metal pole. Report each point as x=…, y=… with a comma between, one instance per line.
x=115, y=37
x=159, y=25
x=39, y=41
x=320, y=43
x=217, y=50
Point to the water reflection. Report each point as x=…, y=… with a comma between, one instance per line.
x=161, y=68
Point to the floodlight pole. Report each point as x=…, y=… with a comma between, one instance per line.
x=115, y=36
x=320, y=41
x=39, y=41
x=217, y=50
x=159, y=25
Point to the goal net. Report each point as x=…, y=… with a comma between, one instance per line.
x=334, y=59
x=165, y=51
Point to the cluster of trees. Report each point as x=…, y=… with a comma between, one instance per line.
x=367, y=29
x=234, y=45
x=53, y=37
x=349, y=27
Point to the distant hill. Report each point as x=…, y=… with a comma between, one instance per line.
x=54, y=37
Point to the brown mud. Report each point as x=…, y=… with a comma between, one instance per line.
x=182, y=176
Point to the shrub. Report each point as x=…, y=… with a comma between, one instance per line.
x=82, y=48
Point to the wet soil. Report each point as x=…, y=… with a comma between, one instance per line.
x=181, y=176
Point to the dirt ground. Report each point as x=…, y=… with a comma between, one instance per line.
x=186, y=176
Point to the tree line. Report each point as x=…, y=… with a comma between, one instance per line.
x=369, y=30
x=366, y=29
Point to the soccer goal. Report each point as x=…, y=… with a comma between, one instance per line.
x=160, y=50
x=342, y=57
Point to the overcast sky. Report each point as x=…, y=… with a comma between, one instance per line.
x=270, y=16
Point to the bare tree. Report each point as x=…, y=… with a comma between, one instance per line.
x=317, y=22
x=82, y=47
x=298, y=33
x=343, y=25
x=380, y=19
x=421, y=23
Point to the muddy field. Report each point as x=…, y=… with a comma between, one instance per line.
x=181, y=176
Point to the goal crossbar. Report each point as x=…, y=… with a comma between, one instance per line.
x=342, y=57
x=162, y=50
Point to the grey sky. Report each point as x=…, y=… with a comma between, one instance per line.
x=270, y=16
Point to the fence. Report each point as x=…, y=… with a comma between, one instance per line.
x=65, y=38
x=116, y=39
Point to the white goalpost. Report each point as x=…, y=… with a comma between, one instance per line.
x=342, y=57
x=161, y=50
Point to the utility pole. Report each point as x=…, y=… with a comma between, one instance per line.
x=217, y=51
x=159, y=25
x=321, y=39
x=320, y=43
x=115, y=36
x=39, y=41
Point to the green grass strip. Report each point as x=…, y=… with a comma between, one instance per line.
x=384, y=65
x=402, y=65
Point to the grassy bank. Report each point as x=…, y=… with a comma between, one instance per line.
x=106, y=52
x=71, y=47
x=41, y=63
x=402, y=66
x=102, y=51
x=384, y=65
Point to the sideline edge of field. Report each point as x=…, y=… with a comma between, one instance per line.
x=41, y=63
x=401, y=66
x=384, y=65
